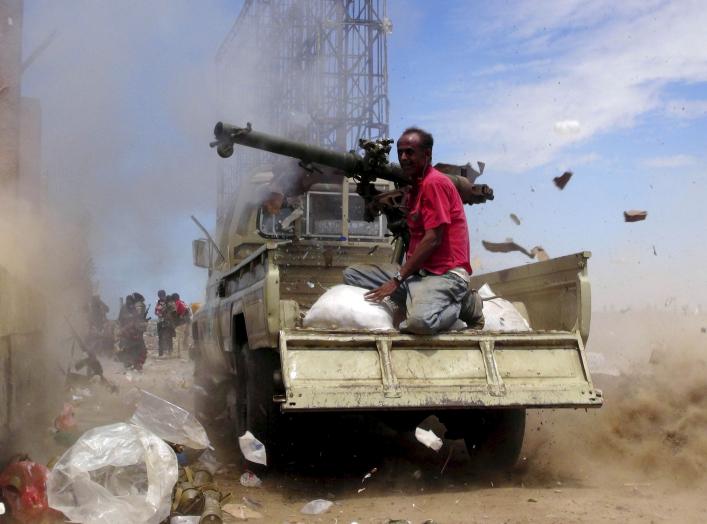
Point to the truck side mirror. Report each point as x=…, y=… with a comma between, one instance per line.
x=201, y=253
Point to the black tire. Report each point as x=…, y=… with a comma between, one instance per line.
x=263, y=417
x=494, y=438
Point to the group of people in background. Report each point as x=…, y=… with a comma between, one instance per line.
x=173, y=319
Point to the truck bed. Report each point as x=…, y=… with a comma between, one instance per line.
x=330, y=370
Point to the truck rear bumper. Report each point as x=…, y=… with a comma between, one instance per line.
x=324, y=370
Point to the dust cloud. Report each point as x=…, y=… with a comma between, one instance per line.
x=653, y=425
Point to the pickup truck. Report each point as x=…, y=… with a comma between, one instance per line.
x=252, y=350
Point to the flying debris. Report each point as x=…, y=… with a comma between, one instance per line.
x=538, y=253
x=465, y=171
x=561, y=181
x=654, y=251
x=515, y=218
x=635, y=215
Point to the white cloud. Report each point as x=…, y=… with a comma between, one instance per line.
x=670, y=161
x=610, y=63
x=567, y=127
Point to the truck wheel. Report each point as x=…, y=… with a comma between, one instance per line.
x=263, y=417
x=494, y=438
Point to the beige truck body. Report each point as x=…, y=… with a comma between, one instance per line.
x=263, y=286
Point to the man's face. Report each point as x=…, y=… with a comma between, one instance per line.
x=413, y=157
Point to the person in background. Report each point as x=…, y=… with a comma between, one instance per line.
x=183, y=323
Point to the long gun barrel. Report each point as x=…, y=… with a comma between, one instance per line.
x=373, y=165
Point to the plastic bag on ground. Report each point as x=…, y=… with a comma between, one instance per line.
x=428, y=438
x=116, y=474
x=23, y=485
x=250, y=480
x=252, y=449
x=316, y=507
x=500, y=314
x=343, y=307
x=169, y=422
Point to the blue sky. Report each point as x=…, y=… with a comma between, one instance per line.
x=615, y=92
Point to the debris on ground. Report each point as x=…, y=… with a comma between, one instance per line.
x=241, y=512
x=250, y=480
x=428, y=438
x=252, y=449
x=635, y=215
x=562, y=180
x=66, y=420
x=316, y=507
x=115, y=474
x=252, y=503
x=369, y=475
x=169, y=422
x=209, y=461
x=23, y=486
x=515, y=218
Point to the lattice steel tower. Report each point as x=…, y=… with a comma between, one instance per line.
x=314, y=70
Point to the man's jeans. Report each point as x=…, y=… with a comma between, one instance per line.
x=432, y=302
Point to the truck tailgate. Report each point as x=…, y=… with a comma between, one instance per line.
x=329, y=370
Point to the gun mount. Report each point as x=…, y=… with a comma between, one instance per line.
x=364, y=169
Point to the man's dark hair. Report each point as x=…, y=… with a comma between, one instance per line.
x=426, y=139
x=161, y=293
x=175, y=296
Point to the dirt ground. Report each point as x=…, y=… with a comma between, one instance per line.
x=640, y=458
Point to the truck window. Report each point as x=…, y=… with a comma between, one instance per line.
x=322, y=217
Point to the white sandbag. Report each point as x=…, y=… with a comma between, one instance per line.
x=500, y=314
x=343, y=307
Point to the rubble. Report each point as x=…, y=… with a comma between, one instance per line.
x=505, y=247
x=561, y=181
x=250, y=480
x=316, y=507
x=635, y=215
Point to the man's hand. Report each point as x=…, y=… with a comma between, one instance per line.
x=378, y=294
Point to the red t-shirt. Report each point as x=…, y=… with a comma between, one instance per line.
x=437, y=202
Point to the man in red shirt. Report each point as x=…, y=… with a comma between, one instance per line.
x=433, y=283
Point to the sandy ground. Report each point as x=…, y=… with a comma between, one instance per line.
x=641, y=458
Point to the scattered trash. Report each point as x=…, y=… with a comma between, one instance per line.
x=185, y=519
x=252, y=503
x=316, y=507
x=417, y=474
x=428, y=438
x=116, y=474
x=532, y=500
x=23, y=486
x=561, y=181
x=250, y=480
x=310, y=284
x=209, y=461
x=635, y=215
x=241, y=512
x=169, y=422
x=515, y=219
x=66, y=420
x=252, y=449
x=361, y=490
x=369, y=475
